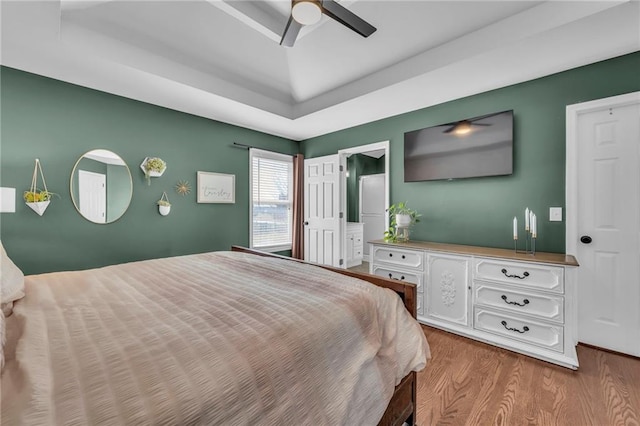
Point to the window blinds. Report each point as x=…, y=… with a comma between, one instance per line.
x=271, y=200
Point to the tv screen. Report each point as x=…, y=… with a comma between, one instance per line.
x=480, y=146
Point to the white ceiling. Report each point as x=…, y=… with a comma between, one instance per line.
x=222, y=59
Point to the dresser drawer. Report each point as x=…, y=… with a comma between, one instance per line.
x=410, y=277
x=532, y=275
x=547, y=336
x=544, y=306
x=400, y=257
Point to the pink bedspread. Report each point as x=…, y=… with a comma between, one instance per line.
x=220, y=338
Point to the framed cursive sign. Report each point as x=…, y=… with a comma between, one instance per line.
x=216, y=188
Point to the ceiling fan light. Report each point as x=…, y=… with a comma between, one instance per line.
x=462, y=128
x=306, y=12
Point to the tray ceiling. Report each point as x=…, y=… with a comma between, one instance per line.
x=222, y=59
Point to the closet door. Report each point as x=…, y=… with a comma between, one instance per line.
x=608, y=226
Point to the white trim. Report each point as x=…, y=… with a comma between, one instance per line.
x=343, y=153
x=571, y=176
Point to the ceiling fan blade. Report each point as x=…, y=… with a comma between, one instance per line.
x=347, y=18
x=290, y=32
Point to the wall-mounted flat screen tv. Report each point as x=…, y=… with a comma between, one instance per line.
x=475, y=147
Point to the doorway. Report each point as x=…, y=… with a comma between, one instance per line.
x=360, y=164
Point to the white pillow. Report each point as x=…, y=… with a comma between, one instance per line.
x=11, y=282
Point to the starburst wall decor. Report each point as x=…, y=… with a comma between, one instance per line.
x=183, y=187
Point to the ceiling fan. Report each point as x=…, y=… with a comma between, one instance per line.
x=309, y=12
x=463, y=127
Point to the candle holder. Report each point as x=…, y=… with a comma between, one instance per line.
x=530, y=233
x=529, y=243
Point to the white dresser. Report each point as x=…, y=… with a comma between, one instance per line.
x=355, y=232
x=517, y=301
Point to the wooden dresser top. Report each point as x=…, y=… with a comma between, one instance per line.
x=542, y=257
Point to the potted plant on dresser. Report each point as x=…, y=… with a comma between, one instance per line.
x=402, y=217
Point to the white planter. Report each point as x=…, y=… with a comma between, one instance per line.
x=164, y=210
x=403, y=220
x=39, y=207
x=152, y=173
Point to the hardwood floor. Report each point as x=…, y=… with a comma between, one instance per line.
x=364, y=267
x=472, y=383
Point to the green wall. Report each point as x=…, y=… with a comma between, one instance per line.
x=117, y=191
x=480, y=211
x=58, y=122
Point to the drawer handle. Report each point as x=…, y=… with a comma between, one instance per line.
x=526, y=274
x=525, y=328
x=401, y=277
x=404, y=257
x=390, y=254
x=524, y=302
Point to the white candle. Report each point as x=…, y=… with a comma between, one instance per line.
x=531, y=219
x=526, y=219
x=534, y=226
x=515, y=228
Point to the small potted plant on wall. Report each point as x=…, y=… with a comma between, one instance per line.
x=164, y=206
x=153, y=167
x=402, y=217
x=38, y=200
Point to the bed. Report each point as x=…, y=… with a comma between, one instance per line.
x=213, y=338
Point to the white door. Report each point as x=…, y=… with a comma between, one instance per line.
x=92, y=195
x=608, y=227
x=372, y=208
x=322, y=210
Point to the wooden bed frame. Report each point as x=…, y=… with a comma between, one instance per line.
x=402, y=408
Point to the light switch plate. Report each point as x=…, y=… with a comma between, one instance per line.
x=555, y=214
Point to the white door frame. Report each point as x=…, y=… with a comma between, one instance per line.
x=571, y=195
x=343, y=154
x=573, y=112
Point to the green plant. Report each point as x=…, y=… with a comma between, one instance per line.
x=401, y=208
x=38, y=196
x=153, y=164
x=390, y=235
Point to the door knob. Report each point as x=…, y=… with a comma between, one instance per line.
x=306, y=223
x=585, y=239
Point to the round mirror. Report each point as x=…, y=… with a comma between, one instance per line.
x=101, y=186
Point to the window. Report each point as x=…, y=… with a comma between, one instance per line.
x=271, y=176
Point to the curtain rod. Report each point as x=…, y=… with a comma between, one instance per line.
x=244, y=146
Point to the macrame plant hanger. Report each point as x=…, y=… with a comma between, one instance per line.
x=38, y=206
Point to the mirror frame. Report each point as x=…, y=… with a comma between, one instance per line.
x=71, y=186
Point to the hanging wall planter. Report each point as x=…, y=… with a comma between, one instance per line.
x=164, y=206
x=153, y=167
x=38, y=200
